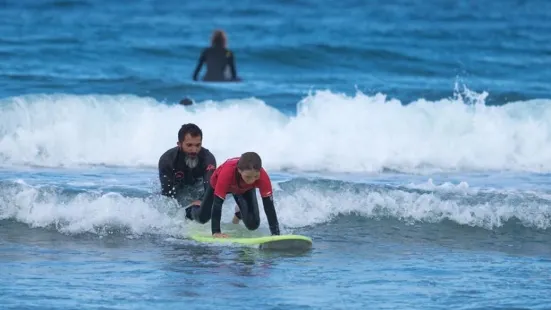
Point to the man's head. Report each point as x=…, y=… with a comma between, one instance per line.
x=186, y=101
x=249, y=165
x=190, y=139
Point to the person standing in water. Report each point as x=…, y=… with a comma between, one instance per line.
x=217, y=58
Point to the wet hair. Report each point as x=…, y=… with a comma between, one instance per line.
x=186, y=101
x=249, y=161
x=218, y=38
x=191, y=129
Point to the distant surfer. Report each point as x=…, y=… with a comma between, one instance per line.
x=186, y=101
x=185, y=170
x=217, y=58
x=240, y=176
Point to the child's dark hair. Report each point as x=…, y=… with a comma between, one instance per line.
x=249, y=161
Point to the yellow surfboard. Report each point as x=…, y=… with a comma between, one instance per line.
x=281, y=242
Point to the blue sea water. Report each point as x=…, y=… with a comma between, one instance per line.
x=410, y=140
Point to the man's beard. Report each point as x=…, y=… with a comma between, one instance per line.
x=192, y=162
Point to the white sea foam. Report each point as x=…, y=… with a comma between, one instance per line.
x=330, y=132
x=297, y=206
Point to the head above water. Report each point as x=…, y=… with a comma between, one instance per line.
x=218, y=38
x=190, y=139
x=186, y=101
x=249, y=166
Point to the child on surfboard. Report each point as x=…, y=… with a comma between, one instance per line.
x=240, y=176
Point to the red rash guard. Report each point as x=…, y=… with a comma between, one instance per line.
x=226, y=179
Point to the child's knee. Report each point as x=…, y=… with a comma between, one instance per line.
x=252, y=224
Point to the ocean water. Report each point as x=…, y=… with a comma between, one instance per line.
x=410, y=140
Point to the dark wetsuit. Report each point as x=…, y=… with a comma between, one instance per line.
x=226, y=179
x=182, y=182
x=216, y=59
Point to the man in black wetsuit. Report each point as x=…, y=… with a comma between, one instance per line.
x=217, y=58
x=185, y=170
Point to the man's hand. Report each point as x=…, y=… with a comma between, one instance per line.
x=196, y=203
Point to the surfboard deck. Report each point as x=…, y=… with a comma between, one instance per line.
x=281, y=242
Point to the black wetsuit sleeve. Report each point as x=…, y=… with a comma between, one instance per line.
x=200, y=62
x=210, y=166
x=231, y=63
x=216, y=214
x=165, y=176
x=271, y=215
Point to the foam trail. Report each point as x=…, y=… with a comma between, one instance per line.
x=85, y=213
x=330, y=132
x=310, y=204
x=299, y=204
